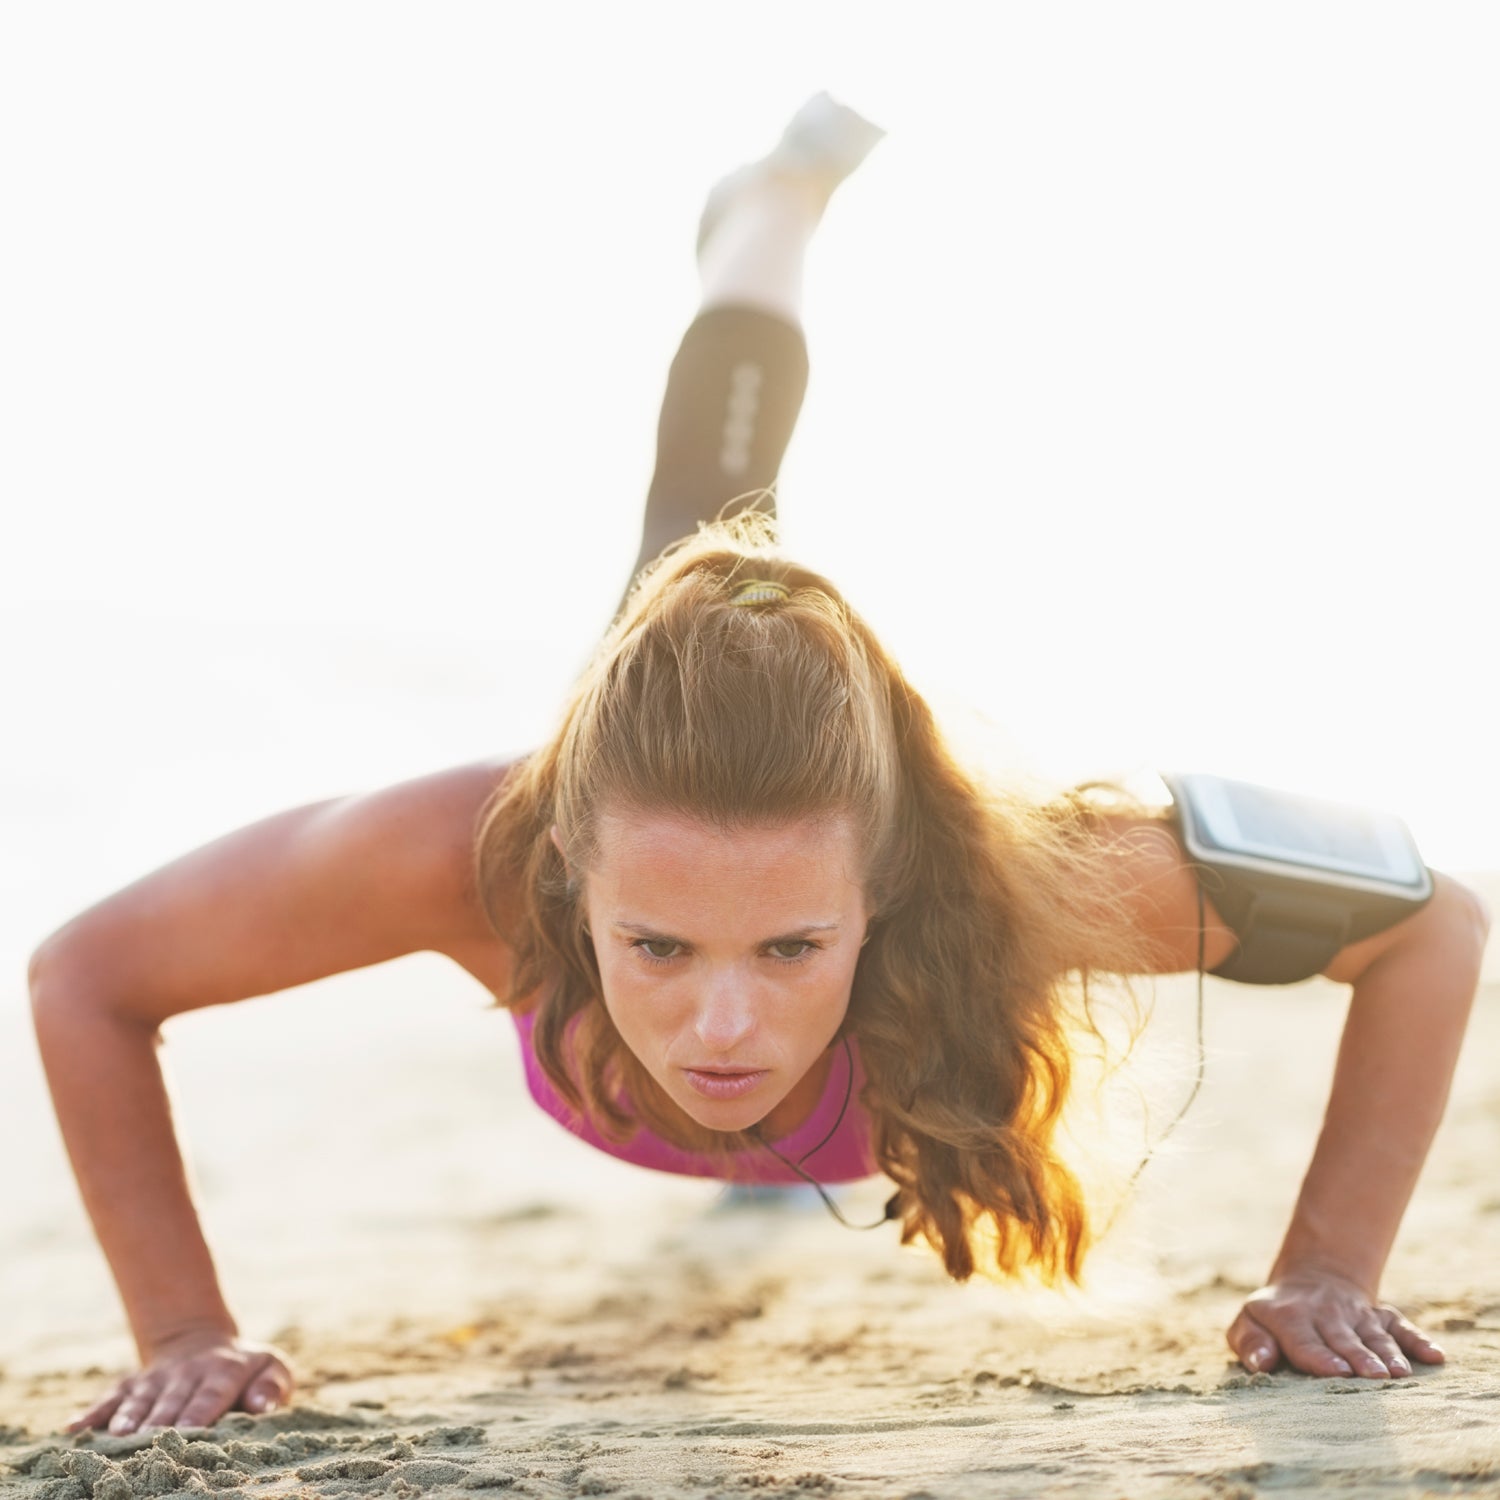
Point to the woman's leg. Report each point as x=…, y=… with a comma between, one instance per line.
x=752, y=252
x=736, y=385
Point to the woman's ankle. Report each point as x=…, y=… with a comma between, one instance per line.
x=759, y=220
x=754, y=255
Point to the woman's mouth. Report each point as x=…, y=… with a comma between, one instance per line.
x=724, y=1083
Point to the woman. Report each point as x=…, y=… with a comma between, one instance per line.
x=751, y=917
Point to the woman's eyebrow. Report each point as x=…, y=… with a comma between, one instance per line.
x=656, y=934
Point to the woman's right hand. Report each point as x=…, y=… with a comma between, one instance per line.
x=191, y=1382
x=315, y=891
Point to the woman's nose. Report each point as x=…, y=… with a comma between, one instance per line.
x=725, y=1016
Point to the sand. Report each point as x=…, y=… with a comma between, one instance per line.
x=474, y=1301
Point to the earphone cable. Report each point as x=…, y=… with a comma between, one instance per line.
x=807, y=1177
x=891, y=1207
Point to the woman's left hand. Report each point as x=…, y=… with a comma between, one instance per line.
x=1325, y=1324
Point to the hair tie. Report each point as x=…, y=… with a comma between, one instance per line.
x=760, y=591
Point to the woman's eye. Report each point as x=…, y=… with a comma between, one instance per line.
x=800, y=946
x=664, y=950
x=649, y=947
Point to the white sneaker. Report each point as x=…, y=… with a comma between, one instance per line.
x=824, y=139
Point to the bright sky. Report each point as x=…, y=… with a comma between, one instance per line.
x=1153, y=407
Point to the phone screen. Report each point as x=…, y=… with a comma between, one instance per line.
x=1241, y=817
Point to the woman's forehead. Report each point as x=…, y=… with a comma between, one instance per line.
x=632, y=834
x=673, y=856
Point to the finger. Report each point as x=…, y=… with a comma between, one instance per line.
x=214, y=1396
x=1347, y=1343
x=134, y=1404
x=170, y=1400
x=262, y=1396
x=1378, y=1340
x=1255, y=1346
x=269, y=1389
x=98, y=1414
x=1411, y=1338
x=1307, y=1350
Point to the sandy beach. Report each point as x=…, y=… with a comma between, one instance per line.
x=473, y=1300
x=1149, y=423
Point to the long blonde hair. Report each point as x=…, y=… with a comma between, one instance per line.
x=988, y=907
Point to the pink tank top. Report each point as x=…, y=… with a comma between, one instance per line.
x=844, y=1157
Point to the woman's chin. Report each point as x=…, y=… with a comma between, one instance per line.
x=726, y=1118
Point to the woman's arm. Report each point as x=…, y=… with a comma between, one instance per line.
x=1414, y=986
x=308, y=893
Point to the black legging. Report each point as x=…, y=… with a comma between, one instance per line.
x=732, y=398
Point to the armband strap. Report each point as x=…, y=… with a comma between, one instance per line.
x=1289, y=927
x=1282, y=939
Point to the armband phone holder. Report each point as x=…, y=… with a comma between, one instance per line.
x=1296, y=878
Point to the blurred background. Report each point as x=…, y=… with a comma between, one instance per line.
x=1152, y=419
x=1151, y=415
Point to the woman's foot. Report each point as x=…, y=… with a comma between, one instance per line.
x=822, y=144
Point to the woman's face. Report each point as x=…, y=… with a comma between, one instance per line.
x=727, y=958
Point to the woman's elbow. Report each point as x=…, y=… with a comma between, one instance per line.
x=1476, y=917
x=1457, y=920
x=63, y=966
x=1449, y=931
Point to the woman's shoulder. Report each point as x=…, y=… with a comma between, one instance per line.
x=408, y=846
x=430, y=822
x=452, y=798
x=422, y=833
x=1139, y=875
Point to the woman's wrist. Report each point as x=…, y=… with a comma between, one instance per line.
x=1322, y=1268
x=1309, y=1250
x=187, y=1336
